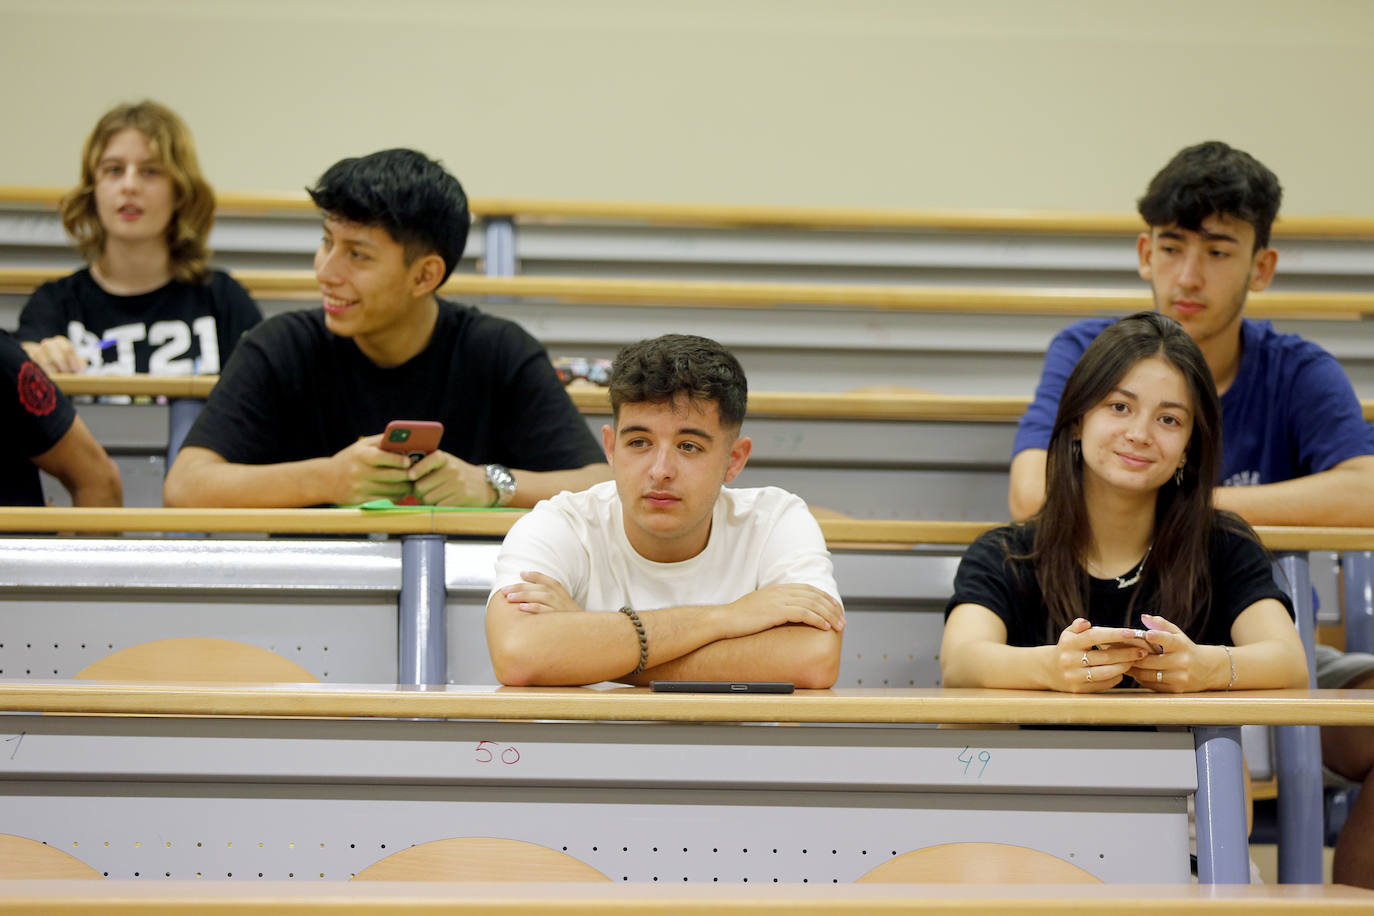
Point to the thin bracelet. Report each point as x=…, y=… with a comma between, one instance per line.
x=1232, y=659
x=644, y=640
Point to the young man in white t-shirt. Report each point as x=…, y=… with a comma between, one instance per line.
x=662, y=574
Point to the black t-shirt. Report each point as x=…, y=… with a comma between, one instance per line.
x=1240, y=567
x=294, y=390
x=177, y=329
x=34, y=416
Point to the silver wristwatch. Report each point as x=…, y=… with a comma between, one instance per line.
x=503, y=482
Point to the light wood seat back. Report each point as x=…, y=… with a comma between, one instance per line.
x=197, y=659
x=479, y=859
x=25, y=859
x=978, y=863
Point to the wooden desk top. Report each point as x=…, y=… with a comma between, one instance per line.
x=838, y=532
x=639, y=704
x=388, y=897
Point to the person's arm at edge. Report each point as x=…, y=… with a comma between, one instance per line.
x=974, y=653
x=84, y=469
x=1342, y=495
x=1026, y=487
x=800, y=654
x=532, y=486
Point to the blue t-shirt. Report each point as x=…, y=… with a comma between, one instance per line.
x=1289, y=413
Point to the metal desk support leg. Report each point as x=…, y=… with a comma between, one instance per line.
x=1357, y=569
x=422, y=641
x=1223, y=852
x=499, y=258
x=181, y=413
x=1298, y=752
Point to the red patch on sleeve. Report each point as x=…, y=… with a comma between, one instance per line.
x=36, y=391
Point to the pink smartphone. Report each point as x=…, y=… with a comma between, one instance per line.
x=413, y=438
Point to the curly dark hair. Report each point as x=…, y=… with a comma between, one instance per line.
x=657, y=370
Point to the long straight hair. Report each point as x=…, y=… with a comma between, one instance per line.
x=1184, y=517
x=193, y=210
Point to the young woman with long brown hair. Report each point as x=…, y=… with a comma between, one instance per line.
x=1128, y=571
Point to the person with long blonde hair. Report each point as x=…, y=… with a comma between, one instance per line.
x=147, y=302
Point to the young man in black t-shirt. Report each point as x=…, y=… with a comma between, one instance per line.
x=43, y=432
x=297, y=416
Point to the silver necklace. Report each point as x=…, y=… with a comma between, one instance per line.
x=1122, y=581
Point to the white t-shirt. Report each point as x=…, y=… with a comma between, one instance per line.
x=759, y=537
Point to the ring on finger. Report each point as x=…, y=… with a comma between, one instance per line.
x=1090, y=674
x=1085, y=659
x=1159, y=677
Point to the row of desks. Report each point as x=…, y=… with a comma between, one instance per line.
x=221, y=780
x=423, y=609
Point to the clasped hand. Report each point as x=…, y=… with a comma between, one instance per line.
x=776, y=605
x=539, y=594
x=365, y=471
x=1092, y=659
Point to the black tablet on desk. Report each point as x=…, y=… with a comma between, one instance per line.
x=722, y=686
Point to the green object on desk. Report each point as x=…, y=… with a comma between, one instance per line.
x=386, y=505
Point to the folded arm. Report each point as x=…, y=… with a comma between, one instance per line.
x=802, y=655
x=537, y=635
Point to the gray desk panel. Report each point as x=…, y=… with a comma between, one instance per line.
x=639, y=802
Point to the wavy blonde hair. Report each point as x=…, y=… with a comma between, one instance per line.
x=193, y=211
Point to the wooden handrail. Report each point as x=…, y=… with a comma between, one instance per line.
x=800, y=405
x=592, y=400
x=301, y=284
x=837, y=531
x=737, y=216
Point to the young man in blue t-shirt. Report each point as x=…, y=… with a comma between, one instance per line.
x=1296, y=449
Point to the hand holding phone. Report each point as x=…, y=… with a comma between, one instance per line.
x=415, y=439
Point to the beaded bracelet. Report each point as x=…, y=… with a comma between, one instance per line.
x=643, y=639
x=1232, y=659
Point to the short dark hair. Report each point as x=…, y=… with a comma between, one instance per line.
x=1213, y=179
x=657, y=370
x=418, y=203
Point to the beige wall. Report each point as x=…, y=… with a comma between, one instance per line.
x=982, y=103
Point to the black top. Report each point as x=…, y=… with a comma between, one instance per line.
x=294, y=390
x=34, y=415
x=177, y=329
x=1241, y=570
